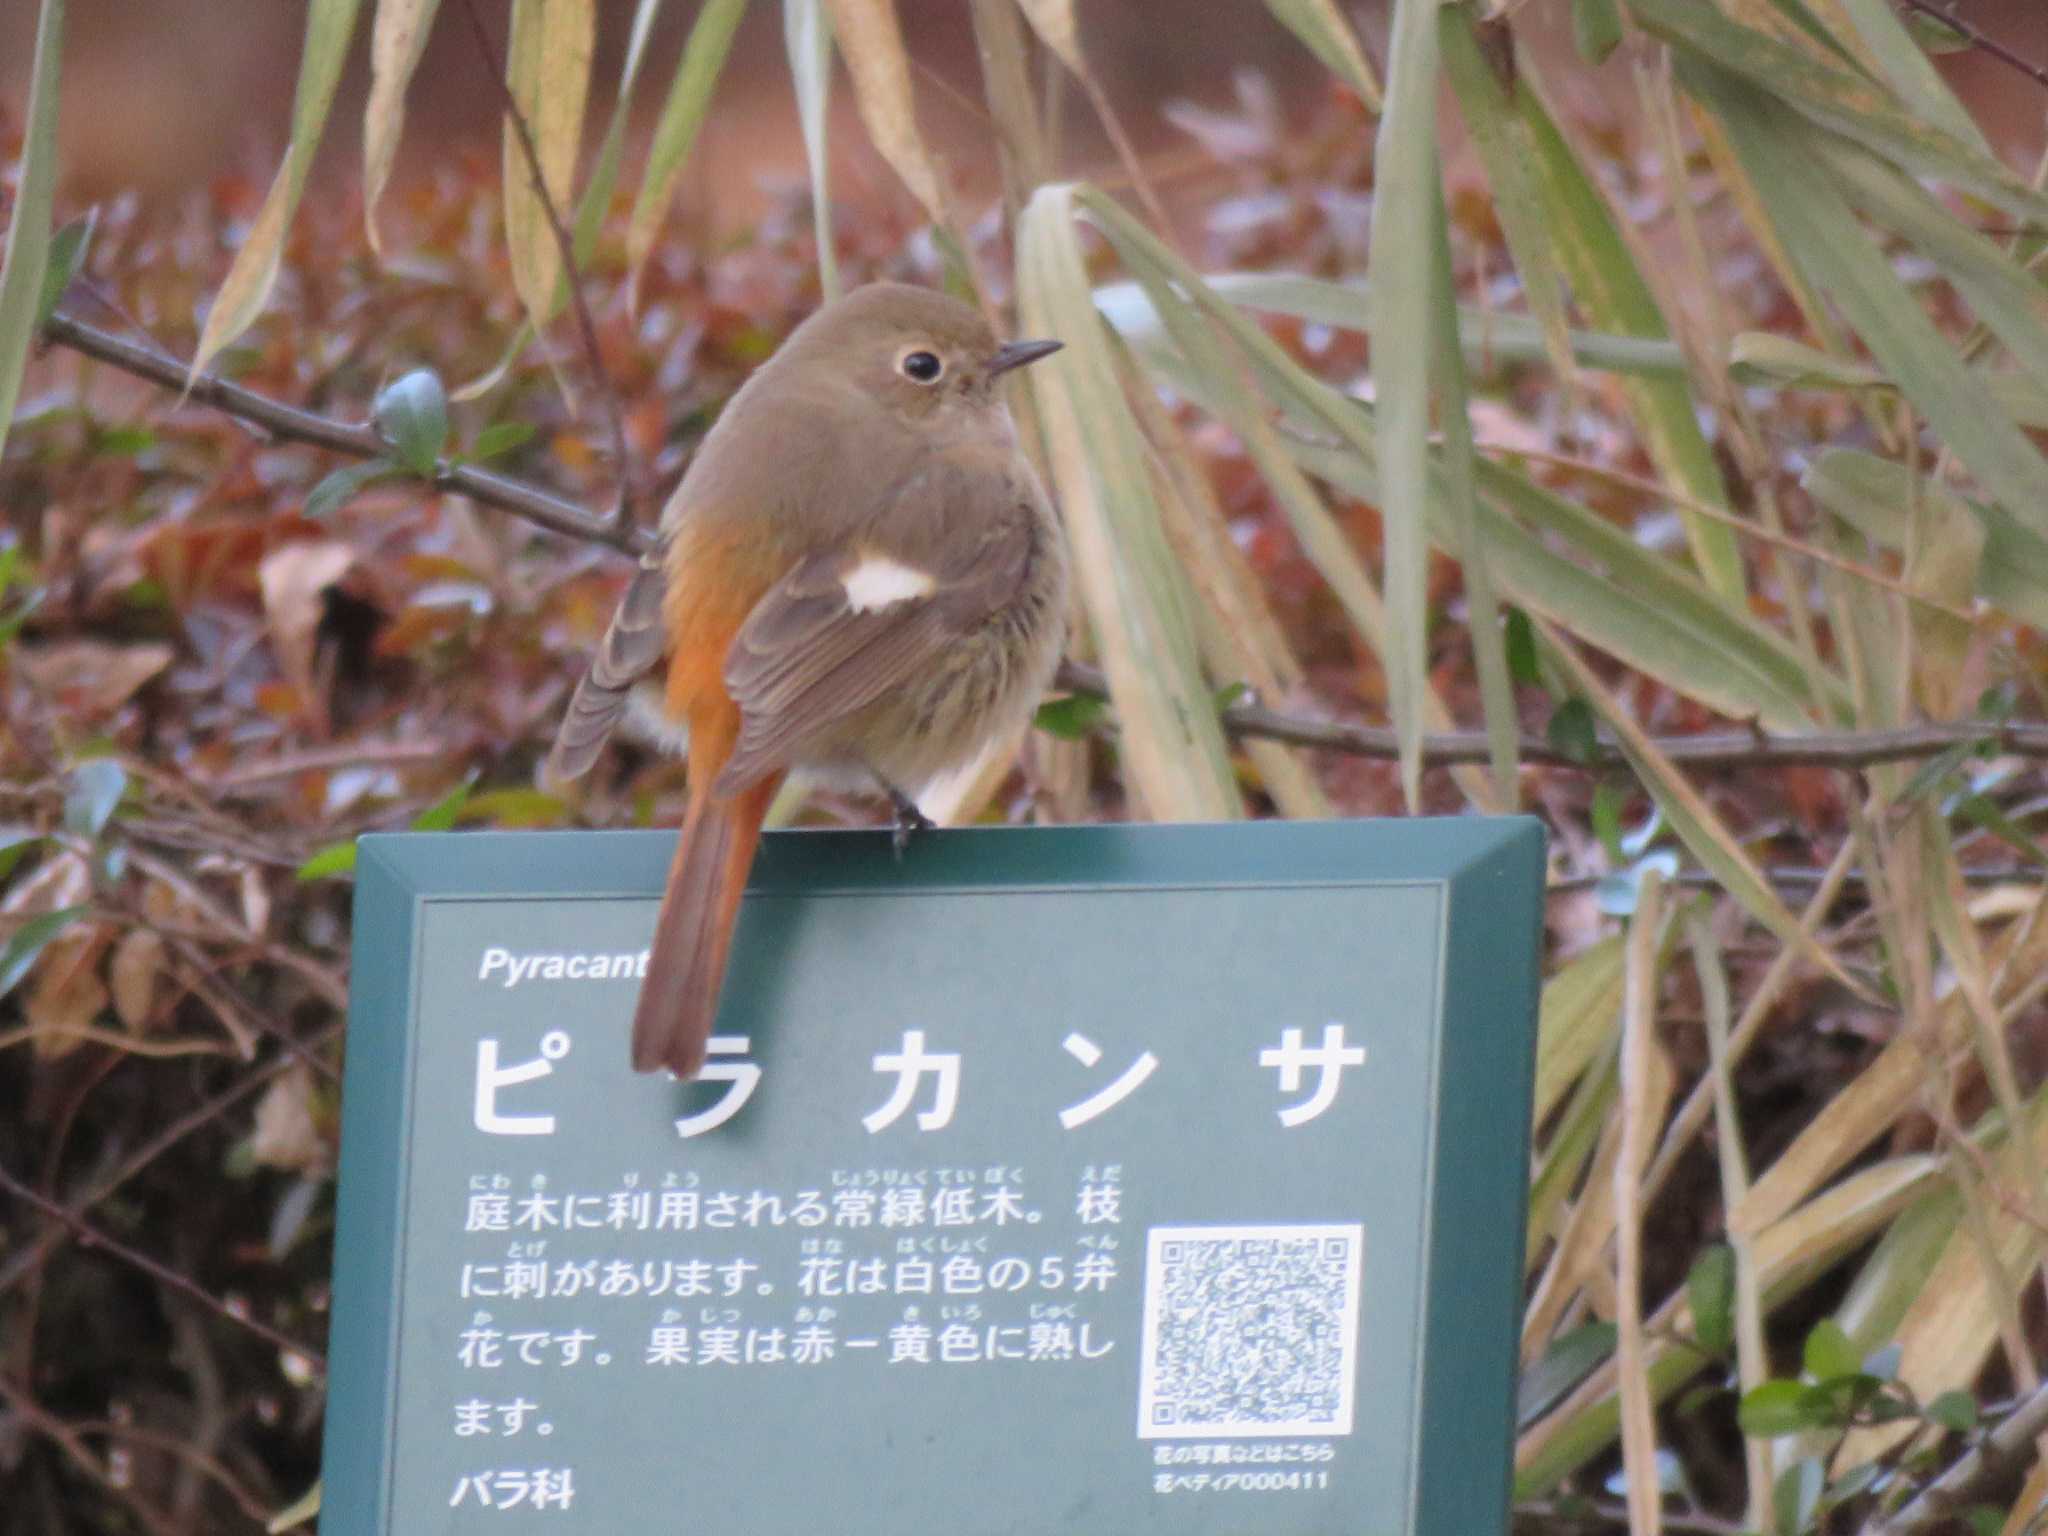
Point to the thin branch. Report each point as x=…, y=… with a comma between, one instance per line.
x=1721, y=749
x=164, y=1275
x=1978, y=38
x=1725, y=749
x=356, y=441
x=68, y=1440
x=25, y=1260
x=624, y=511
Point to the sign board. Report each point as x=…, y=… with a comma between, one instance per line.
x=1101, y=1179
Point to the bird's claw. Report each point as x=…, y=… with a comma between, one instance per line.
x=909, y=820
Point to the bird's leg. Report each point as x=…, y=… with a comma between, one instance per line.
x=909, y=818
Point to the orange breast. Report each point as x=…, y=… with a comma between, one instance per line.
x=715, y=577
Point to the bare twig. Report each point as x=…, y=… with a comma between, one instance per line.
x=356, y=441
x=1726, y=749
x=25, y=1260
x=1978, y=38
x=161, y=1273
x=624, y=511
x=1945, y=1498
x=68, y=1440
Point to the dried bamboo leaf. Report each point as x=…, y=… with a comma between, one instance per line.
x=871, y=41
x=329, y=26
x=547, y=70
x=807, y=38
x=1407, y=206
x=398, y=37
x=1172, y=743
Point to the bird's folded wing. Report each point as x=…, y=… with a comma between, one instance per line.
x=844, y=628
x=632, y=646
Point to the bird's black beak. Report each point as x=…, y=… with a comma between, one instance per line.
x=1015, y=354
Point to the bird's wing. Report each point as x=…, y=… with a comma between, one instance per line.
x=632, y=646
x=846, y=626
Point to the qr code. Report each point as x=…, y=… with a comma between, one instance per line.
x=1249, y=1331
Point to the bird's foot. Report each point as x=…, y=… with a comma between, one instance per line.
x=909, y=820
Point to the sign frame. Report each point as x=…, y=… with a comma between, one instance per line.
x=1490, y=868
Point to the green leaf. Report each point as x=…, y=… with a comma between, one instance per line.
x=1982, y=811
x=682, y=114
x=1569, y=1361
x=1829, y=1352
x=334, y=859
x=1573, y=731
x=515, y=808
x=1606, y=818
x=1876, y=495
x=1596, y=29
x=68, y=248
x=1614, y=294
x=1324, y=32
x=1502, y=137
x=499, y=439
x=1760, y=357
x=1710, y=1288
x=16, y=843
x=412, y=413
x=1072, y=718
x=1955, y=1410
x=442, y=814
x=95, y=790
x=1521, y=647
x=337, y=488
x=1488, y=336
x=27, y=253
x=28, y=941
x=1405, y=208
x=1796, y=1495
x=1778, y=1408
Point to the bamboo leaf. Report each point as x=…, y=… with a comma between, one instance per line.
x=329, y=26
x=1613, y=293
x=1406, y=204
x=682, y=114
x=1172, y=743
x=1325, y=33
x=1486, y=335
x=1505, y=148
x=547, y=69
x=1888, y=42
x=1841, y=99
x=398, y=37
x=807, y=38
x=1823, y=236
x=596, y=201
x=28, y=230
x=1689, y=815
x=871, y=41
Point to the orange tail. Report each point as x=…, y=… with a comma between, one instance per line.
x=686, y=972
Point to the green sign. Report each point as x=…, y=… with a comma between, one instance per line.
x=1109, y=1179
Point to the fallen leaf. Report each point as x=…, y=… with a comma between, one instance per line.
x=287, y=1131
x=132, y=976
x=91, y=677
x=294, y=579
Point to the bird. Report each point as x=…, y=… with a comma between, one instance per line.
x=859, y=579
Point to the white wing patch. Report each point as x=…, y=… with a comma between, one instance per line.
x=879, y=582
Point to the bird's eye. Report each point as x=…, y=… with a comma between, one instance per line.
x=920, y=366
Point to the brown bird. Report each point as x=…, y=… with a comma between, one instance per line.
x=859, y=578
